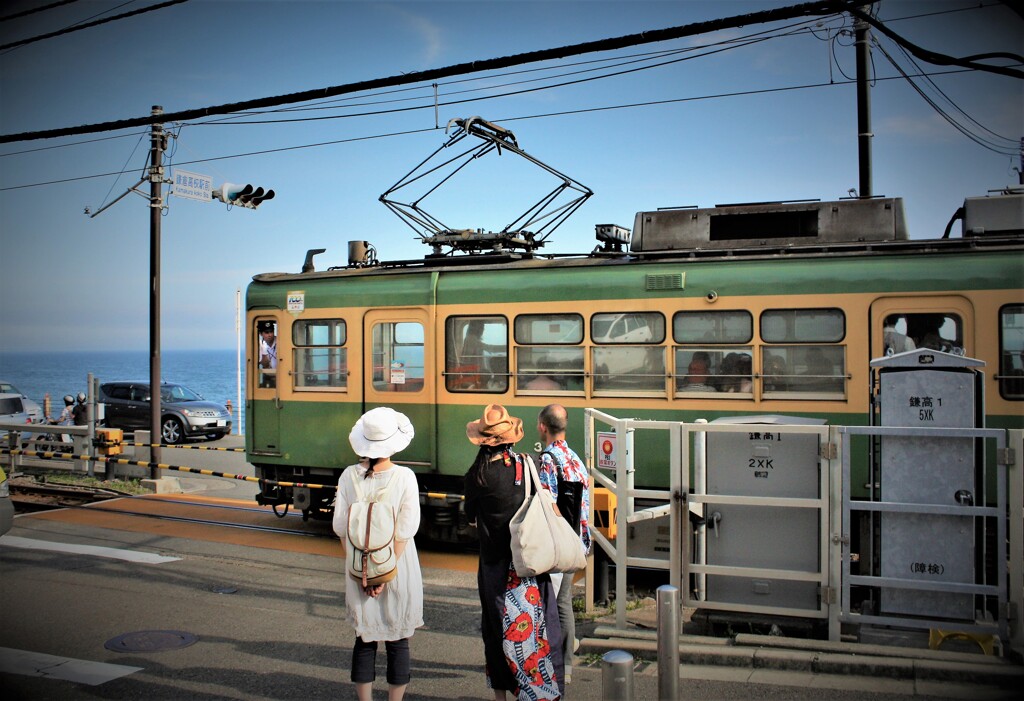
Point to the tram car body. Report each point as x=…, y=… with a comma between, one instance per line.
x=740, y=310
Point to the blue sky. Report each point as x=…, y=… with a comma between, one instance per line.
x=71, y=282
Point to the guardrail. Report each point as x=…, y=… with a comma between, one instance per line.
x=81, y=441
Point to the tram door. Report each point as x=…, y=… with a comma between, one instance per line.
x=398, y=350
x=943, y=323
x=263, y=411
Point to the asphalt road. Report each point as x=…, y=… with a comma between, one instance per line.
x=269, y=624
x=229, y=620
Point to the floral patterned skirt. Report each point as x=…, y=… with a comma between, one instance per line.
x=522, y=636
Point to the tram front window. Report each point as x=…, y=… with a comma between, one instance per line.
x=321, y=360
x=267, y=356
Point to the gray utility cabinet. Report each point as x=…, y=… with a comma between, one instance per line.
x=928, y=389
x=761, y=462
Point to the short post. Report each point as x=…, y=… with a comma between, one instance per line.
x=668, y=642
x=617, y=675
x=143, y=452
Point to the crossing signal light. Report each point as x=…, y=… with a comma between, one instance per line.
x=242, y=195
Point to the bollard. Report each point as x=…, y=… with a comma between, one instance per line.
x=668, y=642
x=617, y=676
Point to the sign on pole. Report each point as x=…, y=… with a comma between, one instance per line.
x=606, y=455
x=192, y=185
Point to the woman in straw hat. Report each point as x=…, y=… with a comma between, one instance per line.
x=519, y=618
x=392, y=611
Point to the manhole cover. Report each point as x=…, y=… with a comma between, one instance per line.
x=225, y=589
x=150, y=641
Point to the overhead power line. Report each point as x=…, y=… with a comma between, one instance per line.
x=87, y=25
x=943, y=59
x=563, y=113
x=34, y=10
x=823, y=7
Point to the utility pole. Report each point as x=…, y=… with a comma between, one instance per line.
x=158, y=142
x=862, y=42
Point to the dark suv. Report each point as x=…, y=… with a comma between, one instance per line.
x=185, y=414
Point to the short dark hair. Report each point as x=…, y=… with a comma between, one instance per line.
x=553, y=416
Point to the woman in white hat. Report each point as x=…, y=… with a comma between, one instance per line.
x=519, y=615
x=391, y=611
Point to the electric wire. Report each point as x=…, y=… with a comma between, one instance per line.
x=615, y=61
x=74, y=143
x=981, y=141
x=34, y=10
x=821, y=7
x=88, y=25
x=587, y=110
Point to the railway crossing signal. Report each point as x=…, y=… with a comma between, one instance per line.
x=242, y=195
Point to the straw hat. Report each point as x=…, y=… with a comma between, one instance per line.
x=380, y=433
x=495, y=427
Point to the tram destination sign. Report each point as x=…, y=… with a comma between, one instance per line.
x=192, y=186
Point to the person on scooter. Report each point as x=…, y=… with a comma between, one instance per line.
x=66, y=417
x=80, y=412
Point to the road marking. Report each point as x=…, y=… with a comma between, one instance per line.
x=38, y=664
x=98, y=551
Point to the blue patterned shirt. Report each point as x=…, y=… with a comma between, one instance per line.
x=559, y=459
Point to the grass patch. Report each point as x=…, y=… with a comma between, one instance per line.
x=123, y=486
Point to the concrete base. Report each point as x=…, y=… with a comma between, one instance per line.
x=163, y=485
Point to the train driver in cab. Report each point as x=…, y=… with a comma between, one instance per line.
x=268, y=354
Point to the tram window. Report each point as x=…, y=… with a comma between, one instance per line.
x=398, y=358
x=624, y=365
x=549, y=358
x=938, y=331
x=476, y=354
x=321, y=361
x=714, y=369
x=267, y=356
x=803, y=326
x=713, y=327
x=804, y=371
x=1011, y=352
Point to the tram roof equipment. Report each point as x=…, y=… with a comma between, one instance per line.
x=527, y=232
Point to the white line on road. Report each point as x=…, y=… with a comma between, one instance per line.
x=98, y=551
x=38, y=664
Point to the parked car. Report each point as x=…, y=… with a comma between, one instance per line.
x=6, y=505
x=12, y=409
x=35, y=412
x=184, y=413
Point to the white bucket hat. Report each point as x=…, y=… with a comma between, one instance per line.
x=380, y=433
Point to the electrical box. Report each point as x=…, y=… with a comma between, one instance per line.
x=109, y=441
x=761, y=462
x=928, y=389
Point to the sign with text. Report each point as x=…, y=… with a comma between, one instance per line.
x=606, y=458
x=192, y=185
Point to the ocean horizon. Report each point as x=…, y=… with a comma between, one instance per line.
x=211, y=373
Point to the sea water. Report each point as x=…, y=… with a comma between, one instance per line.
x=211, y=373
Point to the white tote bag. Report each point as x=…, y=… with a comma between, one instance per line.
x=543, y=541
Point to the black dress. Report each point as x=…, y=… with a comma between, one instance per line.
x=492, y=498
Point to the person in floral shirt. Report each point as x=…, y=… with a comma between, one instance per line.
x=564, y=474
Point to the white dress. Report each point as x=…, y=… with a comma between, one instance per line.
x=398, y=611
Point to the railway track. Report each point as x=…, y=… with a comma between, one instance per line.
x=30, y=497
